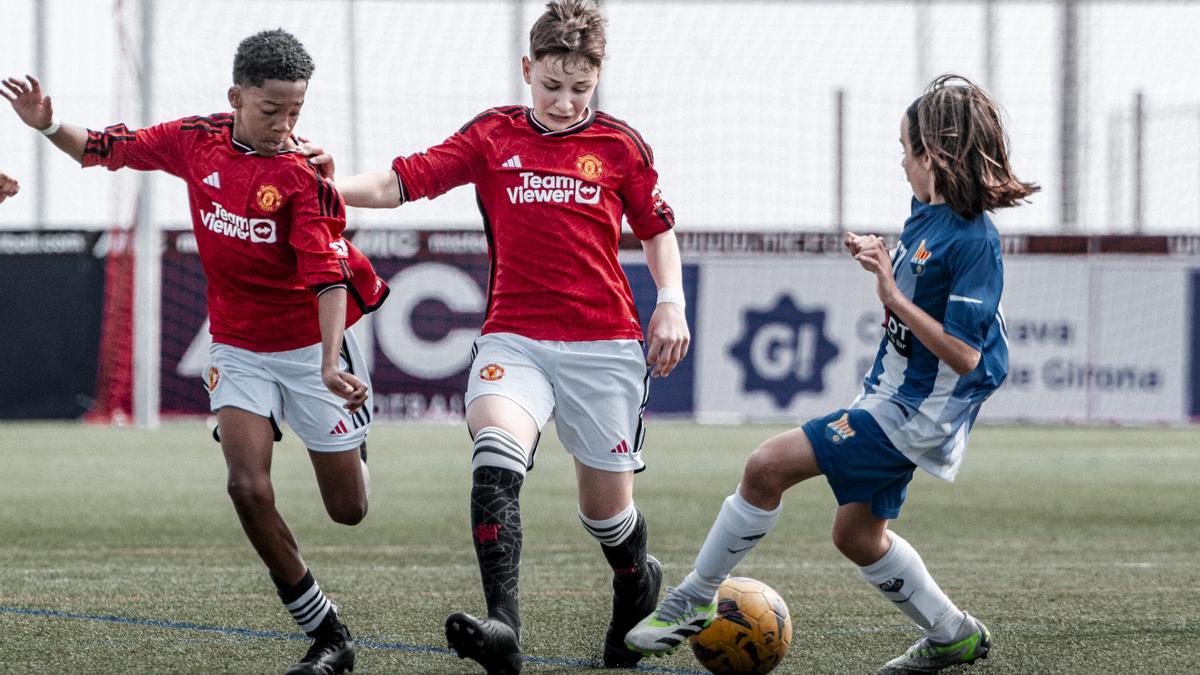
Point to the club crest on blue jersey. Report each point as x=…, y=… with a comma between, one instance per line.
x=840, y=429
x=919, y=258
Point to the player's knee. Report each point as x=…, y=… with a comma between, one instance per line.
x=348, y=512
x=859, y=546
x=250, y=494
x=764, y=473
x=844, y=541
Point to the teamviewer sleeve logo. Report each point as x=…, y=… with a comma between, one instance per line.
x=784, y=351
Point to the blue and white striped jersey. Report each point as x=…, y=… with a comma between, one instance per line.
x=951, y=268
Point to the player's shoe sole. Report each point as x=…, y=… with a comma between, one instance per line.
x=927, y=656
x=490, y=642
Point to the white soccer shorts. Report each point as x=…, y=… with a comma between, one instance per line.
x=287, y=386
x=595, y=390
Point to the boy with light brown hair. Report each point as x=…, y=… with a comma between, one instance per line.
x=562, y=335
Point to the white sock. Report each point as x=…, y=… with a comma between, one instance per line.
x=739, y=527
x=612, y=531
x=366, y=479
x=902, y=578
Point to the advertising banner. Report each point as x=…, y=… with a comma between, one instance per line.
x=783, y=339
x=1095, y=339
x=782, y=329
x=1090, y=339
x=418, y=343
x=53, y=288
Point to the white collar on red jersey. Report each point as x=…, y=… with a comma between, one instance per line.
x=247, y=150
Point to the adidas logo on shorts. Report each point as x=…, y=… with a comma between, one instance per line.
x=339, y=428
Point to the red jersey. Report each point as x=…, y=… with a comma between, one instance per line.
x=552, y=203
x=269, y=229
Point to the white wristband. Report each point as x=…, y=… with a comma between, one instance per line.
x=55, y=125
x=671, y=294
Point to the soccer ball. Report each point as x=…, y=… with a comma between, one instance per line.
x=751, y=632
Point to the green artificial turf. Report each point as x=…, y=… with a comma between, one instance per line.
x=120, y=552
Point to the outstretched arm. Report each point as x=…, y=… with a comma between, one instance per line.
x=372, y=190
x=36, y=111
x=454, y=162
x=668, y=336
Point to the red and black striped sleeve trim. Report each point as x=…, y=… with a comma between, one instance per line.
x=344, y=282
x=100, y=143
x=667, y=214
x=604, y=119
x=213, y=124
x=509, y=110
x=400, y=184
x=329, y=202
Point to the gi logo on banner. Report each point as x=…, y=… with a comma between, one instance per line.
x=783, y=351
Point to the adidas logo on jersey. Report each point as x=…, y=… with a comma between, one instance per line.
x=339, y=428
x=214, y=179
x=536, y=189
x=513, y=162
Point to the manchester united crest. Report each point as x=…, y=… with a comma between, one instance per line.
x=589, y=166
x=268, y=199
x=491, y=372
x=211, y=378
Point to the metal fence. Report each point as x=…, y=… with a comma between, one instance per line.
x=765, y=115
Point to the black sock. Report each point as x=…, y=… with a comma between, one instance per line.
x=628, y=558
x=496, y=529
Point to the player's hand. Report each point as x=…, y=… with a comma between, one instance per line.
x=27, y=100
x=668, y=339
x=8, y=186
x=346, y=386
x=321, y=160
x=874, y=257
x=850, y=241
x=862, y=246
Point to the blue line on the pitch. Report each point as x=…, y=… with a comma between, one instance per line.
x=279, y=635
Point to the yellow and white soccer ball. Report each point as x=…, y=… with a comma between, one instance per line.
x=752, y=630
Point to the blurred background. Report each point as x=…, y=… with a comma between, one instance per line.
x=764, y=115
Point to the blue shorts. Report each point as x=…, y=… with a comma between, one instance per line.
x=859, y=461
